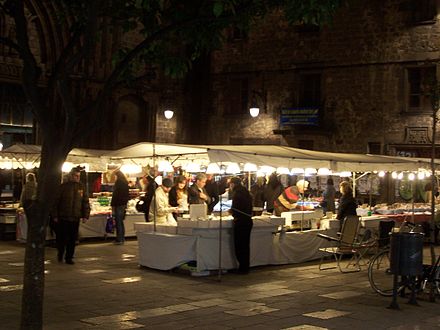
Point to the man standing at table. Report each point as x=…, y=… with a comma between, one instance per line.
x=241, y=211
x=289, y=197
x=71, y=207
x=197, y=193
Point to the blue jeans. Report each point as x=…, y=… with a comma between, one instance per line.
x=119, y=214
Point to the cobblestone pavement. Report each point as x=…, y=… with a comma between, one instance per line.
x=106, y=289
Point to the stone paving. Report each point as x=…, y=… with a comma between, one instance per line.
x=106, y=289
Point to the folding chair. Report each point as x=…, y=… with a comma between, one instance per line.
x=346, y=244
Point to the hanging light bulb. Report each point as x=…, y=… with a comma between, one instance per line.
x=381, y=174
x=297, y=170
x=411, y=176
x=249, y=167
x=345, y=174
x=420, y=175
x=394, y=175
x=193, y=168
x=213, y=168
x=324, y=171
x=233, y=168
x=283, y=170
x=165, y=166
x=67, y=166
x=267, y=169
x=400, y=176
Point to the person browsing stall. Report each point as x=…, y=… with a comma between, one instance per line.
x=160, y=208
x=120, y=198
x=197, y=193
x=289, y=197
x=178, y=195
x=241, y=210
x=347, y=203
x=328, y=197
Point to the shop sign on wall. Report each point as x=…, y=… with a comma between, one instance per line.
x=299, y=116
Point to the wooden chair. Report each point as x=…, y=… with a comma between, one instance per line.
x=346, y=243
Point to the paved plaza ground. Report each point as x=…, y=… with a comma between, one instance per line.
x=106, y=289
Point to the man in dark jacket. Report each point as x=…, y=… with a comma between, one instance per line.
x=71, y=206
x=212, y=190
x=241, y=211
x=197, y=193
x=119, y=202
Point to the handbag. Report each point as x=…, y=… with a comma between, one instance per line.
x=110, y=225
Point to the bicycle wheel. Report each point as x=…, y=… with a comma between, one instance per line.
x=379, y=274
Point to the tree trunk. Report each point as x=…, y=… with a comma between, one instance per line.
x=49, y=176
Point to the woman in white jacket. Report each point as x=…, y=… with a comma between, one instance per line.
x=160, y=208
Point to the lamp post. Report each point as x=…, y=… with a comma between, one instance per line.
x=258, y=98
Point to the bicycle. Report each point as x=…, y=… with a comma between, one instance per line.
x=381, y=278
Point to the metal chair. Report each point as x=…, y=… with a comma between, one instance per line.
x=346, y=244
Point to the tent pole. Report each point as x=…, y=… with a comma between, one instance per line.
x=154, y=180
x=219, y=275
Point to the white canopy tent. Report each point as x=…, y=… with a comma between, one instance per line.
x=277, y=156
x=29, y=155
x=265, y=155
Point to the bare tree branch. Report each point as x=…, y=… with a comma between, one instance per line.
x=31, y=71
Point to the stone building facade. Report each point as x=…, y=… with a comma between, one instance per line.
x=359, y=84
x=133, y=115
x=365, y=75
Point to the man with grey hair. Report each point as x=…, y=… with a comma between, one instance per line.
x=289, y=197
x=197, y=193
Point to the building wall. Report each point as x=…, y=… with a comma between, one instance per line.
x=362, y=58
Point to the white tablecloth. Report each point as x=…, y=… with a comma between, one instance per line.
x=165, y=251
x=296, y=247
x=95, y=226
x=206, y=247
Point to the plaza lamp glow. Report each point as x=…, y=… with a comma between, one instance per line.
x=168, y=113
x=254, y=112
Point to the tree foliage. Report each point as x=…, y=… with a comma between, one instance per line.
x=168, y=35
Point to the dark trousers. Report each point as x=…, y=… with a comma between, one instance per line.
x=67, y=234
x=242, y=239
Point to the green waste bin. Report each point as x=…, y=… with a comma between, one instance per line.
x=406, y=256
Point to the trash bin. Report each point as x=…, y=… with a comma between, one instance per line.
x=406, y=256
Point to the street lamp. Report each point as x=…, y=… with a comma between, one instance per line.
x=168, y=113
x=258, y=98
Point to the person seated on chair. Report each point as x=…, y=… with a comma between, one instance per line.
x=347, y=203
x=289, y=197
